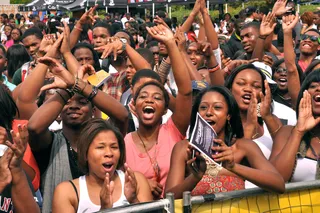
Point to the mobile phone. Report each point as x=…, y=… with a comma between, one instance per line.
x=98, y=78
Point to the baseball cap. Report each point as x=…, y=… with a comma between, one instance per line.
x=250, y=10
x=199, y=85
x=267, y=71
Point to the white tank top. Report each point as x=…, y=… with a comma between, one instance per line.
x=86, y=206
x=305, y=170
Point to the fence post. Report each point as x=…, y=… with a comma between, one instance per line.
x=170, y=197
x=187, y=202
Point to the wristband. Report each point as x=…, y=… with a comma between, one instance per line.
x=78, y=28
x=216, y=68
x=65, y=101
x=93, y=93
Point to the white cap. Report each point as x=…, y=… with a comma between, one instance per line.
x=267, y=71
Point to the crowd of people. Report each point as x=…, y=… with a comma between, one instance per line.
x=69, y=145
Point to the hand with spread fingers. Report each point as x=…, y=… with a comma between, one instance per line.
x=306, y=120
x=63, y=78
x=5, y=173
x=18, y=146
x=106, y=200
x=114, y=46
x=49, y=45
x=280, y=8
x=161, y=33
x=223, y=154
x=88, y=17
x=159, y=20
x=130, y=185
x=267, y=25
x=196, y=165
x=289, y=22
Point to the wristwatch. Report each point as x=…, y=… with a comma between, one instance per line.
x=124, y=43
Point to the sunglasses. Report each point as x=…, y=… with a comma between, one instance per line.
x=312, y=38
x=281, y=70
x=155, y=53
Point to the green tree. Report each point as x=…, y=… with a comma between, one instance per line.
x=20, y=1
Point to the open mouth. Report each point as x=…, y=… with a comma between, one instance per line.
x=316, y=98
x=246, y=98
x=283, y=81
x=211, y=122
x=148, y=112
x=107, y=166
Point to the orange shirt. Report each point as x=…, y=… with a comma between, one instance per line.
x=28, y=157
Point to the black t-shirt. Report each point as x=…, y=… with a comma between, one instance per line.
x=6, y=198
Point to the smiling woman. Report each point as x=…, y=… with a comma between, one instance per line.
x=101, y=152
x=200, y=175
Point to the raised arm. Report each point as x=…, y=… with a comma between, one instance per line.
x=211, y=34
x=188, y=23
x=181, y=115
x=107, y=104
x=288, y=23
x=288, y=140
x=116, y=46
x=22, y=196
x=87, y=17
x=29, y=89
x=266, y=29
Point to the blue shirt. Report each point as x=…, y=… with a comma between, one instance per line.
x=10, y=85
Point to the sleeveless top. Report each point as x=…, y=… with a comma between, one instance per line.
x=85, y=204
x=212, y=182
x=304, y=166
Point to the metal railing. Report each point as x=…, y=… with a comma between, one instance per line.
x=188, y=200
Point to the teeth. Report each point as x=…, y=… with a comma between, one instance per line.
x=149, y=107
x=247, y=96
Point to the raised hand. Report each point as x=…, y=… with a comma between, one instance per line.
x=88, y=17
x=235, y=63
x=252, y=117
x=267, y=60
x=289, y=22
x=203, y=8
x=196, y=8
x=85, y=71
x=206, y=48
x=159, y=20
x=197, y=165
x=265, y=105
x=63, y=78
x=180, y=39
x=224, y=154
x=161, y=33
x=130, y=185
x=106, y=200
x=114, y=46
x=267, y=25
x=18, y=146
x=65, y=45
x=5, y=174
x=306, y=120
x=280, y=8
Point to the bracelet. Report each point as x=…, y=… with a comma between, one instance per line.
x=70, y=93
x=276, y=130
x=212, y=70
x=263, y=37
x=78, y=28
x=65, y=101
x=93, y=93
